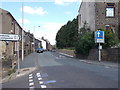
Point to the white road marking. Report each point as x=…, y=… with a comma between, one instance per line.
x=39, y=78
x=30, y=75
x=106, y=67
x=40, y=82
x=38, y=75
x=31, y=87
x=31, y=84
x=43, y=86
x=31, y=80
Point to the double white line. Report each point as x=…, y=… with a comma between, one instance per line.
x=40, y=80
x=31, y=83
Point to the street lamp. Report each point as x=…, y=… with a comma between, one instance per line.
x=22, y=33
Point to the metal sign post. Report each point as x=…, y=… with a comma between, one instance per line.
x=99, y=38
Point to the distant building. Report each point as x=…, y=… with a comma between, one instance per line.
x=100, y=15
x=38, y=44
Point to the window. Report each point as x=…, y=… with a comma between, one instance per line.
x=110, y=10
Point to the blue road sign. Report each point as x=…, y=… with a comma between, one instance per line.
x=99, y=37
x=99, y=34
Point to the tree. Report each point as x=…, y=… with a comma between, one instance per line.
x=67, y=35
x=85, y=43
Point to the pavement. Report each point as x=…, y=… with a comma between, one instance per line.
x=102, y=63
x=25, y=68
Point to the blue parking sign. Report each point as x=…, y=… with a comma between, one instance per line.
x=99, y=37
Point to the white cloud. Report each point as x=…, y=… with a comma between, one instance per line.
x=49, y=30
x=63, y=2
x=52, y=26
x=68, y=12
x=26, y=21
x=34, y=10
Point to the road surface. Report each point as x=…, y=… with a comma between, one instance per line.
x=58, y=71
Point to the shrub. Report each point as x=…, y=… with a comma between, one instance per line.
x=110, y=38
x=85, y=43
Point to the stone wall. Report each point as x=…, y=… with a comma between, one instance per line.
x=69, y=52
x=110, y=54
x=113, y=54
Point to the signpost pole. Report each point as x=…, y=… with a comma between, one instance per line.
x=99, y=53
x=18, y=57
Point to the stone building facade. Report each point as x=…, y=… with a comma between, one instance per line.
x=9, y=49
x=100, y=15
x=9, y=26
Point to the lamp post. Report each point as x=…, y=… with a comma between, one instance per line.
x=22, y=32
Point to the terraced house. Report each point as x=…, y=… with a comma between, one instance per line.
x=100, y=15
x=9, y=49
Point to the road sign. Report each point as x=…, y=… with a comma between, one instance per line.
x=99, y=37
x=10, y=37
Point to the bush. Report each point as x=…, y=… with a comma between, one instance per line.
x=85, y=43
x=110, y=38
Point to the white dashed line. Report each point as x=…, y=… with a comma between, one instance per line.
x=40, y=82
x=31, y=84
x=31, y=80
x=31, y=87
x=30, y=77
x=38, y=75
x=43, y=86
x=39, y=78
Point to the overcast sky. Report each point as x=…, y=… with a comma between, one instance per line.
x=50, y=16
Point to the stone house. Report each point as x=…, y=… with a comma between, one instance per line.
x=8, y=25
x=100, y=15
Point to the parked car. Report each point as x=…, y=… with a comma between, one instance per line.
x=40, y=50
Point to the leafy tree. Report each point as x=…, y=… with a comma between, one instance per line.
x=67, y=35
